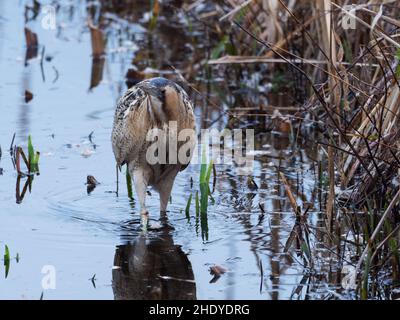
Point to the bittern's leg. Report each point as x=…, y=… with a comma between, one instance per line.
x=141, y=179
x=165, y=188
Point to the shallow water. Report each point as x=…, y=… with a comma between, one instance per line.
x=59, y=224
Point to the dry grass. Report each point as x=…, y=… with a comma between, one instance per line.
x=352, y=86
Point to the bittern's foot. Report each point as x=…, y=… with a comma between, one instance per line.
x=144, y=220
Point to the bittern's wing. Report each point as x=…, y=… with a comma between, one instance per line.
x=128, y=111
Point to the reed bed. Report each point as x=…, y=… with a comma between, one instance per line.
x=342, y=61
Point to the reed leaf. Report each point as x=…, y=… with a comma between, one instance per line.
x=6, y=260
x=129, y=183
x=187, y=209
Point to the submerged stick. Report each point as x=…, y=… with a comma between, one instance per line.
x=17, y=162
x=22, y=153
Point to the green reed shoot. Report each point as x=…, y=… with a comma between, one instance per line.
x=33, y=157
x=187, y=210
x=205, y=174
x=129, y=183
x=201, y=201
x=6, y=260
x=197, y=204
x=197, y=212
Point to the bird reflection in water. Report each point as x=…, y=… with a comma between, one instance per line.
x=153, y=267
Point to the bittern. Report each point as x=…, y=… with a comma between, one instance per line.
x=155, y=103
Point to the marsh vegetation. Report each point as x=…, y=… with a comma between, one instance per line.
x=317, y=218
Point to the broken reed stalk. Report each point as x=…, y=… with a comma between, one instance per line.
x=31, y=39
x=32, y=164
x=289, y=193
x=17, y=161
x=24, y=157
x=98, y=40
x=18, y=154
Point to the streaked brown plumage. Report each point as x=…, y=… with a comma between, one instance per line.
x=150, y=104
